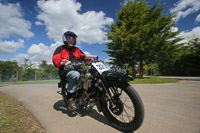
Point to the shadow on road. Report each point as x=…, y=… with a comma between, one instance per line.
x=60, y=106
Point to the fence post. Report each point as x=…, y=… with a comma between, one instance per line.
x=35, y=74
x=0, y=76
x=17, y=75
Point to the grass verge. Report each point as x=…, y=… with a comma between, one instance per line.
x=14, y=118
x=33, y=82
x=153, y=81
x=136, y=81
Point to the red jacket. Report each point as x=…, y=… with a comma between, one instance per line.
x=63, y=53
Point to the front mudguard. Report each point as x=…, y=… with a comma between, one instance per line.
x=118, y=77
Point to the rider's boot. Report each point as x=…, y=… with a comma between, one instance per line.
x=64, y=93
x=71, y=102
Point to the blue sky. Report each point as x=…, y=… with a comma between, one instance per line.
x=33, y=28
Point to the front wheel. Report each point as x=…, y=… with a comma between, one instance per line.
x=126, y=111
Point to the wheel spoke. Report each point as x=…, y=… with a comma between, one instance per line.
x=117, y=89
x=112, y=89
x=123, y=118
x=125, y=99
x=130, y=108
x=128, y=116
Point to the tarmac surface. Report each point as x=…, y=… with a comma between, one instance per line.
x=169, y=108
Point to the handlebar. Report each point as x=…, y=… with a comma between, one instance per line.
x=77, y=65
x=91, y=59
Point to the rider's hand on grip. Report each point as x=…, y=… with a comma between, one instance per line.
x=67, y=64
x=77, y=65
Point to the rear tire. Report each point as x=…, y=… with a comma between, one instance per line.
x=128, y=112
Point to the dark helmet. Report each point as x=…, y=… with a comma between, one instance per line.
x=67, y=35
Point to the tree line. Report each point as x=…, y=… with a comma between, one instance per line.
x=11, y=71
x=144, y=35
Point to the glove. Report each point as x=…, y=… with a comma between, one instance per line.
x=65, y=62
x=69, y=66
x=77, y=65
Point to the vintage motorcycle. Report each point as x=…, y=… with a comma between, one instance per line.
x=110, y=92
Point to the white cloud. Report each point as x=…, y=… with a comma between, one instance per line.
x=125, y=2
x=20, y=58
x=62, y=15
x=38, y=23
x=197, y=18
x=189, y=35
x=12, y=22
x=8, y=47
x=183, y=8
x=37, y=49
x=39, y=52
x=174, y=29
x=87, y=53
x=108, y=60
x=53, y=46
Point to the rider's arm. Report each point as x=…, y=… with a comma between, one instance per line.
x=82, y=55
x=57, y=57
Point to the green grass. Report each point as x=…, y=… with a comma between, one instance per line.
x=33, y=82
x=153, y=81
x=136, y=81
x=14, y=118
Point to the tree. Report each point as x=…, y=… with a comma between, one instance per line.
x=141, y=34
x=43, y=64
x=8, y=69
x=47, y=71
x=27, y=64
x=27, y=72
x=188, y=64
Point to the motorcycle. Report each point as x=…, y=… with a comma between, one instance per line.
x=110, y=92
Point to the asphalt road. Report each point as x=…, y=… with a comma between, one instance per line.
x=169, y=108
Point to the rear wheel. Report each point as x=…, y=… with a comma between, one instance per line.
x=126, y=111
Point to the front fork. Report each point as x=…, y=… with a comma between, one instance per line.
x=107, y=91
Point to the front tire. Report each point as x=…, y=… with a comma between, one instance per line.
x=127, y=112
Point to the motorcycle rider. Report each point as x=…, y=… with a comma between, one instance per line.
x=64, y=56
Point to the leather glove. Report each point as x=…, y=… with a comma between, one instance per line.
x=77, y=65
x=69, y=66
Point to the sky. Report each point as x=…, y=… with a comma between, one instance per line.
x=33, y=29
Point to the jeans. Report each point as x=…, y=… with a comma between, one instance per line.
x=73, y=78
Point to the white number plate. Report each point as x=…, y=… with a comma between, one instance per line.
x=101, y=67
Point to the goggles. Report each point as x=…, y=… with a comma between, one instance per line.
x=71, y=38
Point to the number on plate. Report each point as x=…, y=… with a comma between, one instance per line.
x=100, y=67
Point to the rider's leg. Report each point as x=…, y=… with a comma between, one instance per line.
x=72, y=77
